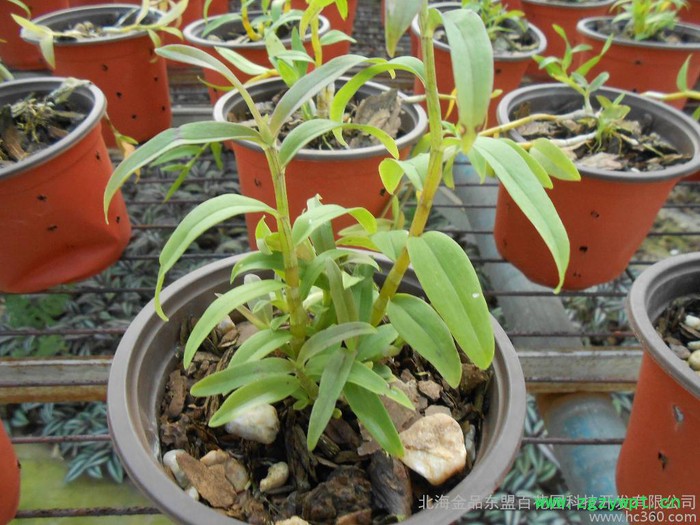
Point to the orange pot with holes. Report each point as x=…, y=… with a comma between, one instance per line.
x=607, y=214
x=53, y=226
x=691, y=13
x=640, y=66
x=125, y=67
x=253, y=51
x=662, y=462
x=348, y=177
x=509, y=68
x=15, y=53
x=337, y=22
x=9, y=478
x=545, y=13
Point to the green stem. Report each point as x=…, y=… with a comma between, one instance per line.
x=433, y=178
x=298, y=317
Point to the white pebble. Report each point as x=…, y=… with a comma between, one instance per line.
x=692, y=321
x=259, y=424
x=215, y=457
x=236, y=474
x=192, y=493
x=294, y=520
x=170, y=461
x=225, y=325
x=694, y=345
x=694, y=360
x=277, y=476
x=434, y=448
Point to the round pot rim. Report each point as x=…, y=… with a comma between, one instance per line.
x=583, y=27
x=80, y=14
x=532, y=29
x=570, y=5
x=656, y=277
x=421, y=123
x=47, y=84
x=676, y=171
x=492, y=463
x=193, y=31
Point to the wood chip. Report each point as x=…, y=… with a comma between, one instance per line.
x=210, y=482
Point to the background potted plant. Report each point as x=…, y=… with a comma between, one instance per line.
x=648, y=46
x=52, y=145
x=340, y=15
x=113, y=46
x=514, y=39
x=662, y=307
x=301, y=257
x=608, y=213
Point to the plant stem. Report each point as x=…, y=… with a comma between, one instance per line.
x=433, y=178
x=298, y=317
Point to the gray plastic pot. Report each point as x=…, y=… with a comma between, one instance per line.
x=662, y=461
x=146, y=356
x=607, y=214
x=349, y=177
x=53, y=227
x=256, y=52
x=123, y=66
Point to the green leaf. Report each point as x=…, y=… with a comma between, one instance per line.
x=423, y=329
x=313, y=219
x=334, y=36
x=343, y=301
x=309, y=86
x=304, y=133
x=391, y=243
x=333, y=379
x=242, y=63
x=368, y=379
x=222, y=307
x=172, y=139
x=259, y=345
x=371, y=412
x=452, y=286
x=233, y=377
x=532, y=163
x=472, y=66
x=258, y=261
x=332, y=335
x=197, y=57
x=375, y=346
x=530, y=197
x=196, y=222
x=682, y=78
x=554, y=160
x=266, y=391
x=415, y=168
x=398, y=15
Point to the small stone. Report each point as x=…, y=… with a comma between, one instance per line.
x=434, y=448
x=170, y=461
x=294, y=520
x=430, y=389
x=693, y=346
x=359, y=517
x=225, y=325
x=692, y=321
x=215, y=457
x=245, y=331
x=277, y=476
x=694, y=360
x=470, y=443
x=210, y=482
x=259, y=424
x=236, y=474
x=680, y=351
x=437, y=409
x=192, y=493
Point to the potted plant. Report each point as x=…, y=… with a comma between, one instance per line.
x=52, y=144
x=341, y=17
x=112, y=46
x=648, y=47
x=662, y=306
x=564, y=13
x=14, y=51
x=9, y=478
x=314, y=303
x=515, y=42
x=609, y=212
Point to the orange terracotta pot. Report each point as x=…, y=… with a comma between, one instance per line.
x=509, y=69
x=658, y=455
x=347, y=177
x=640, y=66
x=54, y=229
x=545, y=13
x=9, y=478
x=607, y=214
x=691, y=13
x=124, y=67
x=85, y=3
x=253, y=51
x=337, y=22
x=15, y=53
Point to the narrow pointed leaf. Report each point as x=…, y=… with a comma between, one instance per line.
x=222, y=307
x=233, y=377
x=371, y=412
x=259, y=346
x=374, y=347
x=391, y=243
x=398, y=15
x=554, y=160
x=363, y=376
x=532, y=163
x=258, y=261
x=313, y=219
x=452, y=286
x=331, y=336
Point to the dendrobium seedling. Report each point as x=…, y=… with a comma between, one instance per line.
x=326, y=329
